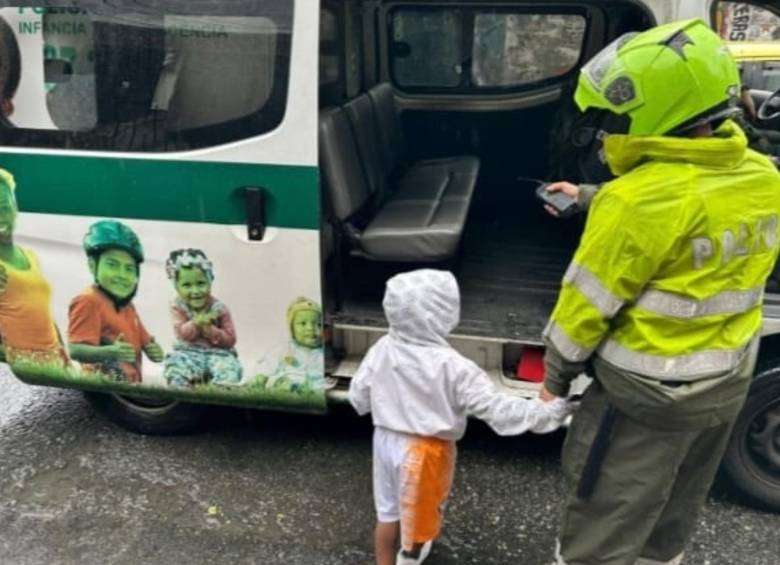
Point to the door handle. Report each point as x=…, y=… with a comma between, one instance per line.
x=254, y=203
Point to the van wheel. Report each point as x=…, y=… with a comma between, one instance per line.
x=151, y=416
x=752, y=460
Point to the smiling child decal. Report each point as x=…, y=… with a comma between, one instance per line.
x=105, y=333
x=204, y=351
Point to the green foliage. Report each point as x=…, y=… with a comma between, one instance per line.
x=252, y=395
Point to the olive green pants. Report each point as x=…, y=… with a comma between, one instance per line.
x=649, y=490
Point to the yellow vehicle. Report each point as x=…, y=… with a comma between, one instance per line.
x=759, y=62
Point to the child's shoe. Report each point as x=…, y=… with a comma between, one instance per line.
x=401, y=559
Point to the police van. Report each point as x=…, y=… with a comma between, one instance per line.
x=200, y=201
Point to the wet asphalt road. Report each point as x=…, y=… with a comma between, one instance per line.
x=275, y=489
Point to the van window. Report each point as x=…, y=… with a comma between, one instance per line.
x=154, y=76
x=427, y=48
x=482, y=50
x=517, y=49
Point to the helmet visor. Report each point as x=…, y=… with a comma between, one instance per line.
x=597, y=68
x=718, y=114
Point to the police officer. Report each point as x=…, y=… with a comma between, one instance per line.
x=663, y=297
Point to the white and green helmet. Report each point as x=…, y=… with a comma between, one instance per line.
x=667, y=79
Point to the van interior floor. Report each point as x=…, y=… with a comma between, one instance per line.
x=509, y=272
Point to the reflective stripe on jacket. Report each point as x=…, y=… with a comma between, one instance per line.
x=668, y=279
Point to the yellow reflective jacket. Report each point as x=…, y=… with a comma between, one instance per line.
x=668, y=280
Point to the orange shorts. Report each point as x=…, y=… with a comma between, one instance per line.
x=412, y=482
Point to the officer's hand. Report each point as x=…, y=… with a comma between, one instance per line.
x=546, y=396
x=154, y=351
x=122, y=350
x=747, y=104
x=3, y=279
x=561, y=186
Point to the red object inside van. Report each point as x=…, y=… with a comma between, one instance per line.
x=531, y=365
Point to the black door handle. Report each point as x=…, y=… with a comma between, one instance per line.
x=254, y=202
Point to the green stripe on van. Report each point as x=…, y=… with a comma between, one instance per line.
x=151, y=189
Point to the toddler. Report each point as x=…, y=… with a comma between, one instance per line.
x=203, y=326
x=419, y=391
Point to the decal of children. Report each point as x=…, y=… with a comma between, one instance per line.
x=300, y=364
x=105, y=333
x=26, y=324
x=206, y=337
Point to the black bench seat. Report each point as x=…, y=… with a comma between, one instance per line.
x=393, y=210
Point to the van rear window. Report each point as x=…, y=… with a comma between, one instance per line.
x=479, y=49
x=143, y=76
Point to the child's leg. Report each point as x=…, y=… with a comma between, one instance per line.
x=385, y=542
x=183, y=368
x=427, y=474
x=224, y=367
x=112, y=369
x=417, y=553
x=389, y=449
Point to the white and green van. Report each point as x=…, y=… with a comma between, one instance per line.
x=211, y=195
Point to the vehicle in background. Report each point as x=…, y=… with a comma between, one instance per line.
x=759, y=63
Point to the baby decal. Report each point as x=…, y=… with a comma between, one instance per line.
x=298, y=366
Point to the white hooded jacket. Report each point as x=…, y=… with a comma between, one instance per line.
x=413, y=381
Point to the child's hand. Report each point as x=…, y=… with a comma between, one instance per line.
x=561, y=408
x=154, y=351
x=545, y=395
x=550, y=415
x=205, y=319
x=201, y=319
x=121, y=350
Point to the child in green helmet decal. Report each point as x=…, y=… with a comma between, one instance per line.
x=299, y=365
x=27, y=327
x=105, y=333
x=204, y=329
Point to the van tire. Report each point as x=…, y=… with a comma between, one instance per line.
x=149, y=416
x=752, y=460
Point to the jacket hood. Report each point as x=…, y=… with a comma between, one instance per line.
x=725, y=149
x=422, y=307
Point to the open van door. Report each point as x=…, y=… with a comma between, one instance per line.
x=167, y=240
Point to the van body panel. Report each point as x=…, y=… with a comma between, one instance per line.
x=185, y=173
